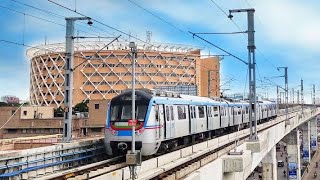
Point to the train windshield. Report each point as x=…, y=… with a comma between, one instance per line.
x=122, y=113
x=121, y=107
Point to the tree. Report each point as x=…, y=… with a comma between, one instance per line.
x=81, y=107
x=58, y=112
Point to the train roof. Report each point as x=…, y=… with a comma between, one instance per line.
x=160, y=96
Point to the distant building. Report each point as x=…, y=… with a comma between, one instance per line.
x=104, y=75
x=40, y=120
x=10, y=99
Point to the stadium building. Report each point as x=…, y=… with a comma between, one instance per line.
x=101, y=75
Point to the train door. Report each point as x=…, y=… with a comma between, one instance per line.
x=193, y=119
x=169, y=122
x=234, y=112
x=209, y=117
x=159, y=120
x=173, y=133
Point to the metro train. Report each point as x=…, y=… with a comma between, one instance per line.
x=166, y=120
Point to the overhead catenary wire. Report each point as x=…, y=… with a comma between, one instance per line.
x=26, y=14
x=224, y=12
x=153, y=14
x=227, y=82
x=62, y=17
x=4, y=124
x=258, y=50
x=96, y=53
x=99, y=22
x=193, y=34
x=36, y=17
x=64, y=26
x=219, y=47
x=174, y=26
x=240, y=32
x=120, y=31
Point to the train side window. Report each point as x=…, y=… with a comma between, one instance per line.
x=239, y=110
x=167, y=113
x=215, y=111
x=182, y=112
x=171, y=109
x=201, y=111
x=156, y=112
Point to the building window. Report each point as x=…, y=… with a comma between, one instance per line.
x=96, y=130
x=12, y=131
x=96, y=106
x=24, y=113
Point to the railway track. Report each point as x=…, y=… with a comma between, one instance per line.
x=106, y=166
x=89, y=171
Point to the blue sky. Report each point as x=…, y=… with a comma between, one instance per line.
x=287, y=34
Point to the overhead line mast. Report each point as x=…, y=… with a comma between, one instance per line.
x=252, y=70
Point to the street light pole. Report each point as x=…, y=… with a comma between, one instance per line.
x=68, y=84
x=252, y=70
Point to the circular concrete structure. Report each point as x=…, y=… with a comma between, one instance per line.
x=105, y=74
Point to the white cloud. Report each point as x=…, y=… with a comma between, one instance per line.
x=290, y=23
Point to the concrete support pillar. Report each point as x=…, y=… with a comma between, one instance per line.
x=306, y=141
x=313, y=134
x=293, y=150
x=269, y=165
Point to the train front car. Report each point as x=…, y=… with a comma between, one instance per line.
x=118, y=135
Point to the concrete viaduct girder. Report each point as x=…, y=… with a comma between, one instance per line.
x=235, y=167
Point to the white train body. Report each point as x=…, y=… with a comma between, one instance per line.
x=166, y=121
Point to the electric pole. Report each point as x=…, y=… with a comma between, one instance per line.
x=302, y=100
x=68, y=84
x=209, y=83
x=252, y=70
x=278, y=98
x=314, y=95
x=292, y=96
x=286, y=88
x=133, y=157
